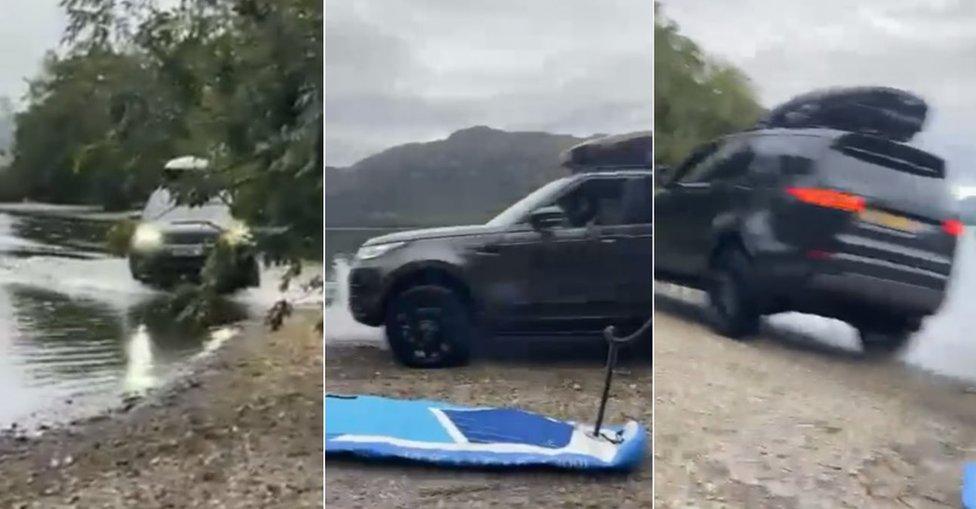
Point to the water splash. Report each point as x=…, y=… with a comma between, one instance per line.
x=946, y=344
x=340, y=326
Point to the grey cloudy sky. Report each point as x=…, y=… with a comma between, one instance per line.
x=28, y=28
x=789, y=47
x=415, y=70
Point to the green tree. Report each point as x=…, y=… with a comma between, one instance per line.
x=245, y=81
x=81, y=140
x=696, y=97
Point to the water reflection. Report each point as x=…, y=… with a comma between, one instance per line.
x=67, y=355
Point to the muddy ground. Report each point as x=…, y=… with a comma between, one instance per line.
x=786, y=421
x=560, y=378
x=244, y=431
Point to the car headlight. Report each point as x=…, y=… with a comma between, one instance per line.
x=237, y=234
x=147, y=238
x=377, y=250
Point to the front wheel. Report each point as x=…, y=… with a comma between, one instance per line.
x=732, y=300
x=429, y=327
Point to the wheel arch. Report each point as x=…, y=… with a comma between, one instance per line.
x=430, y=273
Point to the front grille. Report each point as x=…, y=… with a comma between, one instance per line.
x=191, y=238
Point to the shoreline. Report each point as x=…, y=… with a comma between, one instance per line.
x=241, y=427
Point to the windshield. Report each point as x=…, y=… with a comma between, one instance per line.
x=520, y=209
x=163, y=207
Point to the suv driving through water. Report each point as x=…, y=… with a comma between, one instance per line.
x=822, y=209
x=172, y=242
x=570, y=258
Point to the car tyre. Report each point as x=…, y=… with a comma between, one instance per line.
x=429, y=327
x=732, y=298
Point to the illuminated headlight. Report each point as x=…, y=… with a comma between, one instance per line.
x=237, y=234
x=377, y=250
x=147, y=238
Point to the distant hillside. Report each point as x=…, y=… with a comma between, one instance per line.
x=6, y=127
x=466, y=178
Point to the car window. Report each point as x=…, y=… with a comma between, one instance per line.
x=693, y=161
x=729, y=162
x=162, y=206
x=517, y=213
x=638, y=205
x=783, y=155
x=609, y=202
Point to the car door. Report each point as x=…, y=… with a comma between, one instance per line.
x=680, y=215
x=626, y=251
x=539, y=285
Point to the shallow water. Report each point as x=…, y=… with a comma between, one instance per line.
x=77, y=332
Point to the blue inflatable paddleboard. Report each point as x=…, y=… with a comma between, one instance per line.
x=380, y=428
x=969, y=486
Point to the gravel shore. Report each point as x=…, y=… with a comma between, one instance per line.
x=788, y=421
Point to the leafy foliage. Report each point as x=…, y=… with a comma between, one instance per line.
x=696, y=97
x=236, y=81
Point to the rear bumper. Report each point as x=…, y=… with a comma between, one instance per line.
x=849, y=290
x=876, y=292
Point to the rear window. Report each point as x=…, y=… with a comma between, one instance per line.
x=877, y=167
x=894, y=156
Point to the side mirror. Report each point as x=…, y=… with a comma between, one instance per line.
x=546, y=218
x=663, y=175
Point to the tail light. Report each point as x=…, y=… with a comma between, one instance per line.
x=827, y=198
x=953, y=227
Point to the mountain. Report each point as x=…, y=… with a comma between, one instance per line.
x=466, y=178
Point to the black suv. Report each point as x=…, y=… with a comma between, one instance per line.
x=849, y=224
x=570, y=258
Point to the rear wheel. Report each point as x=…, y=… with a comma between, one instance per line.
x=429, y=327
x=732, y=301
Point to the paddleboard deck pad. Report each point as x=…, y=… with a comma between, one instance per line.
x=374, y=427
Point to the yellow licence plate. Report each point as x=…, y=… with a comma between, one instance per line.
x=893, y=221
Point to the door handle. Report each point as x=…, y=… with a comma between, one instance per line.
x=608, y=240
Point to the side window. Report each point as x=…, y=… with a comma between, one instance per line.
x=733, y=163
x=729, y=162
x=778, y=156
x=638, y=205
x=609, y=202
x=696, y=163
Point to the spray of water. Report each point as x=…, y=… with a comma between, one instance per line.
x=340, y=326
x=946, y=343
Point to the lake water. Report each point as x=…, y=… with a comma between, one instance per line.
x=77, y=332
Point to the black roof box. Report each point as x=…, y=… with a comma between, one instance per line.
x=882, y=111
x=622, y=151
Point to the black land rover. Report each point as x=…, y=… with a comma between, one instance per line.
x=570, y=258
x=821, y=209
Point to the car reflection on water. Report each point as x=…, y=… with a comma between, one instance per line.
x=76, y=332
